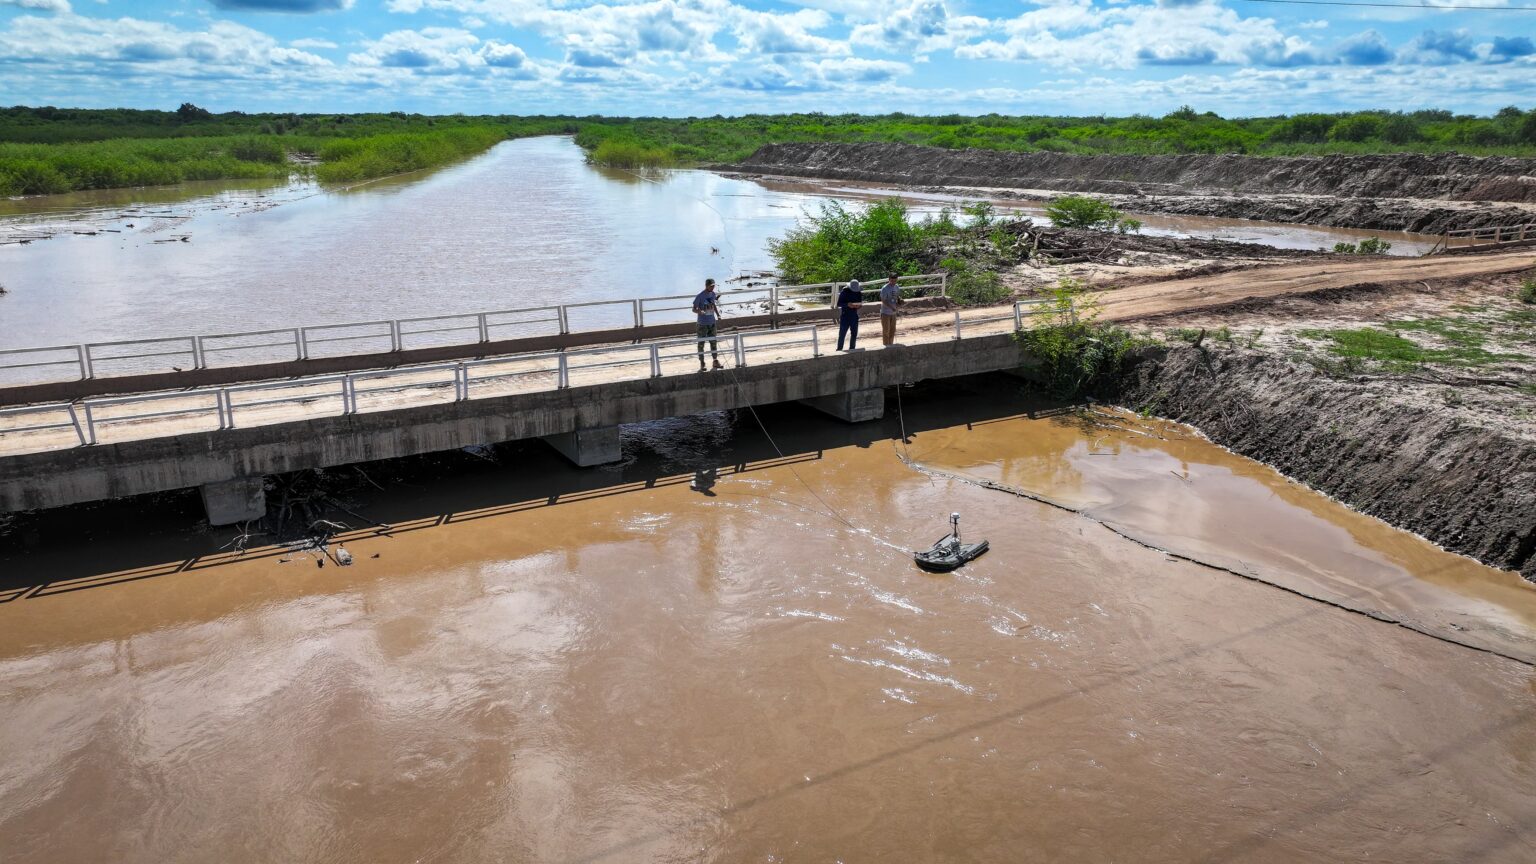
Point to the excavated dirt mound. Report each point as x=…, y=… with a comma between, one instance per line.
x=1403, y=191
x=1471, y=490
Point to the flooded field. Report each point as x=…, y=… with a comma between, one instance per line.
x=527, y=224
x=718, y=650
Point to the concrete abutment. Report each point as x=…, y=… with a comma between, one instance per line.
x=235, y=501
x=588, y=447
x=854, y=406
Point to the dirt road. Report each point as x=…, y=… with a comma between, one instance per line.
x=1222, y=289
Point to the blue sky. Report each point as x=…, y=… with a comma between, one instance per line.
x=700, y=57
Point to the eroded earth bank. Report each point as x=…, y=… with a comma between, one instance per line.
x=1395, y=192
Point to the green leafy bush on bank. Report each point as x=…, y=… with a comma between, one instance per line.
x=627, y=153
x=1085, y=211
x=1077, y=354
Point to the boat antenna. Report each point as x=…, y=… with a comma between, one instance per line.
x=954, y=522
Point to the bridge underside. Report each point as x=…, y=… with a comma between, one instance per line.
x=580, y=421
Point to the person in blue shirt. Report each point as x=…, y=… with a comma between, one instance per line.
x=707, y=306
x=848, y=302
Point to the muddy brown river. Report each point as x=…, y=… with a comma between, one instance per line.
x=719, y=650
x=527, y=224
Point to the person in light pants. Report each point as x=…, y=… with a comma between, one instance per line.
x=890, y=298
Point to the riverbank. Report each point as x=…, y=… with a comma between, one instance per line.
x=1397, y=192
x=1410, y=404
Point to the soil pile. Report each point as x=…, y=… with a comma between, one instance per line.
x=1469, y=489
x=1389, y=191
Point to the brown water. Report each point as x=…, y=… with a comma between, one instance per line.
x=527, y=224
x=544, y=664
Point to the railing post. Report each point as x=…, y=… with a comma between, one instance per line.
x=394, y=336
x=199, y=354
x=563, y=378
x=298, y=348
x=90, y=424
x=301, y=335
x=75, y=419
x=639, y=318
x=655, y=362
x=741, y=350
x=84, y=353
x=226, y=410
x=944, y=284
x=460, y=382
x=1018, y=316
x=815, y=342
x=348, y=395
x=485, y=327
x=565, y=321
x=957, y=323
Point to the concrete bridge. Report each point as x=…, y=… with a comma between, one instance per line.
x=226, y=439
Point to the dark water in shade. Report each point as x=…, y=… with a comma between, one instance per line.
x=527, y=224
x=544, y=664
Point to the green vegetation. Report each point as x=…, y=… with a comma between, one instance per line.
x=198, y=144
x=1368, y=246
x=49, y=150
x=1356, y=348
x=1084, y=211
x=629, y=153
x=345, y=160
x=1076, y=353
x=837, y=243
x=1527, y=291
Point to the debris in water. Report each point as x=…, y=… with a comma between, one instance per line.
x=343, y=557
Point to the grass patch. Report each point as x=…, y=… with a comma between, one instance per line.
x=1354, y=348
x=1527, y=292
x=628, y=153
x=347, y=160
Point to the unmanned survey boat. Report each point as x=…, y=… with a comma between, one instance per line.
x=949, y=553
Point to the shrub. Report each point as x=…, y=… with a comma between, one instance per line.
x=1368, y=246
x=629, y=153
x=838, y=244
x=1527, y=292
x=971, y=287
x=1083, y=211
x=1076, y=353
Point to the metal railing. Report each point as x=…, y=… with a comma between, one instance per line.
x=1495, y=235
x=181, y=353
x=238, y=406
x=339, y=395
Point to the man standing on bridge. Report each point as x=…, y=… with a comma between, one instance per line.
x=890, y=298
x=707, y=306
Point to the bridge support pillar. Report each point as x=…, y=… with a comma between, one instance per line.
x=855, y=406
x=588, y=447
x=232, y=501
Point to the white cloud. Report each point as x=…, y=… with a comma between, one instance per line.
x=1079, y=35
x=60, y=6
x=313, y=43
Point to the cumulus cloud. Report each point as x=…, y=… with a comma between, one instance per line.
x=40, y=5
x=223, y=48
x=1078, y=34
x=1439, y=48
x=301, y=6
x=443, y=51
x=1369, y=48
x=919, y=26
x=1503, y=49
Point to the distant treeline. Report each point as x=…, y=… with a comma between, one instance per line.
x=1511, y=131
x=50, y=149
